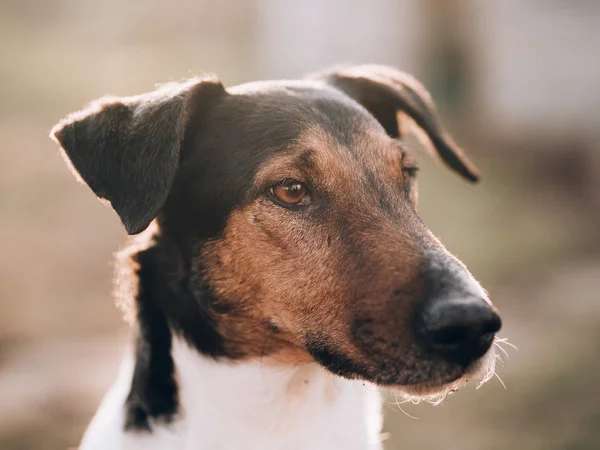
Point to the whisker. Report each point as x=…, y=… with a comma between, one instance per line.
x=505, y=341
x=434, y=399
x=491, y=370
x=397, y=403
x=440, y=399
x=503, y=354
x=500, y=380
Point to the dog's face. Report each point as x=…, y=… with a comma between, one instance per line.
x=294, y=205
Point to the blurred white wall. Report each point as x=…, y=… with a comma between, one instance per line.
x=539, y=64
x=296, y=37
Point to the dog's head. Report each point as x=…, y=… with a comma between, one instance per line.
x=291, y=207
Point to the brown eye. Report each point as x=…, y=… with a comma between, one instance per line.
x=291, y=192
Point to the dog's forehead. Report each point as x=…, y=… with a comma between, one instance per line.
x=260, y=119
x=302, y=104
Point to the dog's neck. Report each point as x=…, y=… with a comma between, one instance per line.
x=266, y=406
x=250, y=405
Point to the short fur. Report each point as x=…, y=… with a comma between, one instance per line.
x=228, y=281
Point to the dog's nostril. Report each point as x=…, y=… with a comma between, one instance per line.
x=448, y=336
x=460, y=329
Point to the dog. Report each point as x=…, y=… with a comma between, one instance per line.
x=278, y=274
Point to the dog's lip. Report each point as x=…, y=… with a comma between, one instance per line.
x=431, y=392
x=479, y=371
x=444, y=383
x=449, y=382
x=427, y=388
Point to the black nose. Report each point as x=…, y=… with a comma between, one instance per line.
x=460, y=329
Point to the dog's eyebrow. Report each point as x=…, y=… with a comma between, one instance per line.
x=288, y=164
x=305, y=161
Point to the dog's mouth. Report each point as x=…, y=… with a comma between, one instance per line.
x=480, y=371
x=428, y=379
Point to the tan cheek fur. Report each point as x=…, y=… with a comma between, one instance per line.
x=273, y=270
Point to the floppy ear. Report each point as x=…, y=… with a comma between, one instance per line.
x=127, y=149
x=397, y=100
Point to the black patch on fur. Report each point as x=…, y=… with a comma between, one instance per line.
x=164, y=304
x=274, y=329
x=306, y=160
x=362, y=327
x=153, y=391
x=332, y=359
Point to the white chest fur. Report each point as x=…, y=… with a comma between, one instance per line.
x=246, y=406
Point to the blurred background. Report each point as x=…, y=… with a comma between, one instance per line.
x=518, y=85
